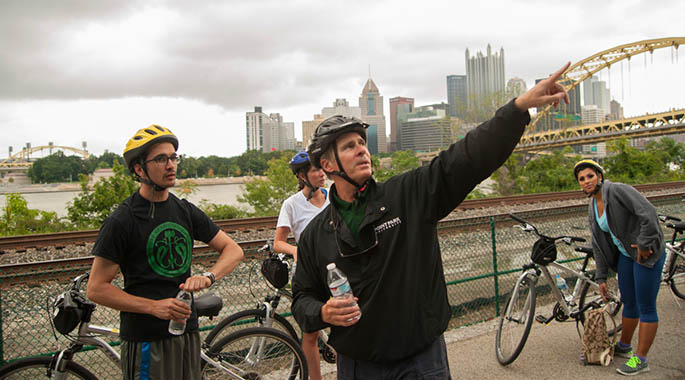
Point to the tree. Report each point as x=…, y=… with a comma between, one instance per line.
x=402, y=161
x=265, y=196
x=90, y=208
x=186, y=188
x=221, y=211
x=630, y=165
x=549, y=172
x=252, y=162
x=57, y=167
x=18, y=219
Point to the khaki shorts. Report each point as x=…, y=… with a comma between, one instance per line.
x=175, y=358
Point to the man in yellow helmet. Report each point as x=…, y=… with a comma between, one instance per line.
x=150, y=238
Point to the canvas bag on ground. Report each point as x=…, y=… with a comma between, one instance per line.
x=598, y=348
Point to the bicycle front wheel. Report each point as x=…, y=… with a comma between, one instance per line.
x=516, y=321
x=256, y=353
x=677, y=276
x=249, y=318
x=37, y=368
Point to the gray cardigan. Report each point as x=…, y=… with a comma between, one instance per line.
x=632, y=219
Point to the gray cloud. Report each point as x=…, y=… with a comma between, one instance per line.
x=240, y=53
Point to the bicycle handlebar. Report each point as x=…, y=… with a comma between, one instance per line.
x=528, y=227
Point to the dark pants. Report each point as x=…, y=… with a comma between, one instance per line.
x=429, y=364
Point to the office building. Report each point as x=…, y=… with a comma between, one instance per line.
x=615, y=111
x=340, y=107
x=595, y=92
x=426, y=129
x=485, y=73
x=398, y=106
x=371, y=104
x=457, y=95
x=268, y=132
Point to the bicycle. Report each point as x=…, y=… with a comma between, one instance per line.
x=251, y=353
x=265, y=315
x=517, y=317
x=674, y=266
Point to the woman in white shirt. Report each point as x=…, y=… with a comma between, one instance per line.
x=296, y=212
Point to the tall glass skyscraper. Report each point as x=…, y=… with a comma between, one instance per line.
x=456, y=94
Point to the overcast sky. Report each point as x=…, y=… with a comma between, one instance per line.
x=97, y=71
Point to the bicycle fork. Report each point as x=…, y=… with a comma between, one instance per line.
x=521, y=319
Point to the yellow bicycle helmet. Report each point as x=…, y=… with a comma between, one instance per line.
x=144, y=139
x=584, y=164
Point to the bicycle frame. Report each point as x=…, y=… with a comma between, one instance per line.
x=87, y=334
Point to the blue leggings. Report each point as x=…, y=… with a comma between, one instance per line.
x=639, y=287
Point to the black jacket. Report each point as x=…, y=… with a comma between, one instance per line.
x=399, y=281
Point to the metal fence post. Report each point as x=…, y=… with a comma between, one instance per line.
x=494, y=264
x=2, y=356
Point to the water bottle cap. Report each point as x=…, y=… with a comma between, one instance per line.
x=330, y=266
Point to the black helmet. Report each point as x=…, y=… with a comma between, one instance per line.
x=325, y=135
x=584, y=164
x=544, y=251
x=328, y=131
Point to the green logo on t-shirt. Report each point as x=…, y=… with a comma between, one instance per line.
x=169, y=249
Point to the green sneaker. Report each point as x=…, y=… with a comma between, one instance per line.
x=634, y=366
x=623, y=352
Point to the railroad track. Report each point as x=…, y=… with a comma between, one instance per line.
x=63, y=269
x=63, y=239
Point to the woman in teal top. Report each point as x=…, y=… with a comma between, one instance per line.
x=627, y=238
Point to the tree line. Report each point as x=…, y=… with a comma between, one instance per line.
x=660, y=161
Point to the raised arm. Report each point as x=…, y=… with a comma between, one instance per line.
x=547, y=91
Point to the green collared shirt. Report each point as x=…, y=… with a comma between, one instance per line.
x=352, y=212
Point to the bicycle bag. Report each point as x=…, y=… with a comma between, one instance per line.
x=275, y=271
x=544, y=251
x=598, y=349
x=68, y=312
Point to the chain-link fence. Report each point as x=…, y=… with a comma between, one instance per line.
x=482, y=257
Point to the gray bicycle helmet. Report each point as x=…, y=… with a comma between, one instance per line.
x=325, y=135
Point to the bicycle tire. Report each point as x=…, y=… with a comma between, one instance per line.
x=677, y=276
x=248, y=318
x=36, y=368
x=283, y=358
x=590, y=294
x=513, y=328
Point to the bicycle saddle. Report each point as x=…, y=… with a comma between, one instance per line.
x=208, y=305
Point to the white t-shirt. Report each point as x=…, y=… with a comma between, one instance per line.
x=296, y=213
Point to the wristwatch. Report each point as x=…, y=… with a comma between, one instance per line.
x=211, y=277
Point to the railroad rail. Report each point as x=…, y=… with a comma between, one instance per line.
x=62, y=239
x=63, y=269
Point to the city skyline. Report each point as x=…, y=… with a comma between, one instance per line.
x=98, y=71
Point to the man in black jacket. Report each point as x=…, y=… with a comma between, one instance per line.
x=383, y=237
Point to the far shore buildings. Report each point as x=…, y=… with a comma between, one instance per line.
x=268, y=132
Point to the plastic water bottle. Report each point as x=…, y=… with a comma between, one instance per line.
x=179, y=327
x=563, y=287
x=340, y=287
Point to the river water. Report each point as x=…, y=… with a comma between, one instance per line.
x=57, y=201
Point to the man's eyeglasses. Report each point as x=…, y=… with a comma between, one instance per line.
x=163, y=159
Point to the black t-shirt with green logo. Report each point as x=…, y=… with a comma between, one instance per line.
x=154, y=250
